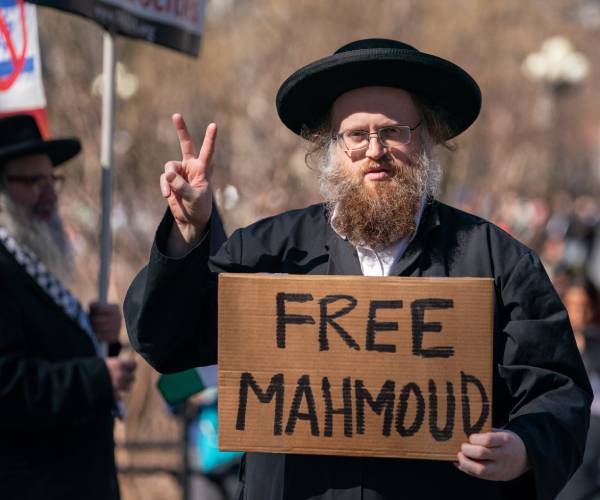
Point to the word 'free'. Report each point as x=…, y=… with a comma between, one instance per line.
x=333, y=307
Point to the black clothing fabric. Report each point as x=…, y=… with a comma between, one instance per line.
x=585, y=483
x=56, y=399
x=540, y=387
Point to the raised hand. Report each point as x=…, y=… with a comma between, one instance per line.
x=186, y=186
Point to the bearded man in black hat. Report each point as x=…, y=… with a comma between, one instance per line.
x=373, y=112
x=57, y=396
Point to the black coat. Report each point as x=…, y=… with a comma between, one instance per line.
x=540, y=388
x=56, y=399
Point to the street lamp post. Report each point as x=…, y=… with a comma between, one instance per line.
x=559, y=67
x=556, y=64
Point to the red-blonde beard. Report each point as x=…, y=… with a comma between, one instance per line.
x=379, y=213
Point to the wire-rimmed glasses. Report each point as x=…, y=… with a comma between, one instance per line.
x=390, y=136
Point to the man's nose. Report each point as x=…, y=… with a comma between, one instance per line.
x=375, y=150
x=48, y=193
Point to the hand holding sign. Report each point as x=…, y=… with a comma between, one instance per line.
x=122, y=373
x=497, y=456
x=186, y=185
x=106, y=321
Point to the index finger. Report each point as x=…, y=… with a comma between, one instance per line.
x=188, y=150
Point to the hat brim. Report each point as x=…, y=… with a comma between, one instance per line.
x=58, y=150
x=305, y=97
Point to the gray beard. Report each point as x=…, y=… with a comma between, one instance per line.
x=46, y=239
x=388, y=212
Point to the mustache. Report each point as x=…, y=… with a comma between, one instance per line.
x=388, y=163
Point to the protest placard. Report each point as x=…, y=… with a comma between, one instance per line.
x=21, y=85
x=359, y=366
x=176, y=24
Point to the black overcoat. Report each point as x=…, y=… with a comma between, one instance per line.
x=56, y=399
x=540, y=388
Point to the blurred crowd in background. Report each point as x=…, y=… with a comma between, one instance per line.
x=563, y=229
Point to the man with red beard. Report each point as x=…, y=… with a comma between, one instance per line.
x=373, y=111
x=57, y=396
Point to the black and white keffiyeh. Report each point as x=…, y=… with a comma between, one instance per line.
x=48, y=283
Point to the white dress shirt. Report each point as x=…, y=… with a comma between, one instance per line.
x=379, y=263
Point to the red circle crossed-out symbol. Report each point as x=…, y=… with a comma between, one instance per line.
x=18, y=62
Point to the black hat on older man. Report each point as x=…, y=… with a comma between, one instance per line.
x=20, y=136
x=305, y=98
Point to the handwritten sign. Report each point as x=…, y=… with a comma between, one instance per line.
x=359, y=366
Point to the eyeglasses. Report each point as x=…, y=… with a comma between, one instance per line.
x=392, y=136
x=38, y=181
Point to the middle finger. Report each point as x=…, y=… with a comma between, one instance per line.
x=472, y=467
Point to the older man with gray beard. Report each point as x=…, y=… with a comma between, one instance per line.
x=373, y=111
x=57, y=395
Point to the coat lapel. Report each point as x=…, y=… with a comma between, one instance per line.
x=342, y=256
x=429, y=221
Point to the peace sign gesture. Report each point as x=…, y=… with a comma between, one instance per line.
x=186, y=185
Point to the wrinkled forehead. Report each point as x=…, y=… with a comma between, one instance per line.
x=374, y=104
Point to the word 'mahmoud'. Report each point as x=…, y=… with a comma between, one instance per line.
x=394, y=411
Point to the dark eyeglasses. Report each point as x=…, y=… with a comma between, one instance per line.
x=38, y=181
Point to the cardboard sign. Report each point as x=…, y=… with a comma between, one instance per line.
x=340, y=365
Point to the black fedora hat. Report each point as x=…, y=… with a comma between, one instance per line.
x=20, y=135
x=307, y=95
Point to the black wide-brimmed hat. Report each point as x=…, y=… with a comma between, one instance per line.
x=306, y=96
x=20, y=135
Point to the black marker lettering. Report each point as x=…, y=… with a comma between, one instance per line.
x=275, y=389
x=303, y=390
x=485, y=404
x=419, y=326
x=290, y=319
x=346, y=410
x=381, y=326
x=384, y=403
x=445, y=433
x=329, y=319
x=403, y=407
